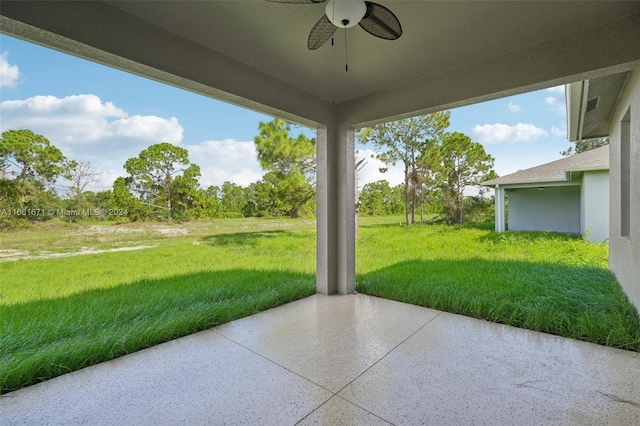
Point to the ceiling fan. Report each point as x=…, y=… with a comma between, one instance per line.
x=375, y=19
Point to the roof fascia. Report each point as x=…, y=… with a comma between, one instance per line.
x=541, y=184
x=587, y=169
x=525, y=182
x=576, y=95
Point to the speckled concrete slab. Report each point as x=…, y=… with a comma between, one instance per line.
x=387, y=362
x=200, y=379
x=338, y=411
x=460, y=370
x=329, y=340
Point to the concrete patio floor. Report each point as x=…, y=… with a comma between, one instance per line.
x=342, y=360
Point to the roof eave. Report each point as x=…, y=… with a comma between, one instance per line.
x=569, y=173
x=575, y=99
x=491, y=183
x=587, y=169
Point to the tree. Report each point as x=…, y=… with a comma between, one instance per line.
x=81, y=174
x=260, y=200
x=32, y=156
x=184, y=192
x=29, y=166
x=122, y=198
x=406, y=140
x=380, y=199
x=585, y=145
x=459, y=163
x=232, y=200
x=372, y=198
x=160, y=174
x=290, y=165
x=100, y=201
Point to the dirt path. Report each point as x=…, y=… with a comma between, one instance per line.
x=90, y=240
x=12, y=255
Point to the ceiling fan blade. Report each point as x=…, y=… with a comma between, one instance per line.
x=297, y=1
x=381, y=22
x=320, y=33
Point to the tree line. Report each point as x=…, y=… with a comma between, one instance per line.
x=163, y=184
x=438, y=165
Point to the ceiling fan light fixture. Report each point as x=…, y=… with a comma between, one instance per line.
x=372, y=17
x=345, y=13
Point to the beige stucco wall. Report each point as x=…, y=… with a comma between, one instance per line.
x=550, y=209
x=624, y=253
x=594, y=205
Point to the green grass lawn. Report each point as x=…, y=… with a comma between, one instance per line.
x=541, y=281
x=61, y=314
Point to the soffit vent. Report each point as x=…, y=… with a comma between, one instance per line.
x=592, y=104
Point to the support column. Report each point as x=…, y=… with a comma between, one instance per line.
x=499, y=201
x=335, y=211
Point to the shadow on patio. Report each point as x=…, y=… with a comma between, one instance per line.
x=353, y=359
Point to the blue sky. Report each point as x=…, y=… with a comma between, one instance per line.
x=105, y=116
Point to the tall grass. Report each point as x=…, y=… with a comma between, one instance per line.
x=46, y=338
x=548, y=282
x=59, y=315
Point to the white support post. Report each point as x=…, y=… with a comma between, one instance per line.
x=500, y=219
x=335, y=211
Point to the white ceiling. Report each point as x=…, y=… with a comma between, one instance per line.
x=438, y=36
x=254, y=53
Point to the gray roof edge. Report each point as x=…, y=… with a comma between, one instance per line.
x=587, y=169
x=558, y=173
x=494, y=182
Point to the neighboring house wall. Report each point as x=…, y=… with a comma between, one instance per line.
x=624, y=229
x=594, y=208
x=550, y=209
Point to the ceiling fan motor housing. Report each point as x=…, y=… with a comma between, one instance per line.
x=345, y=13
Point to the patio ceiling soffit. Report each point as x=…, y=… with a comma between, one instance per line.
x=106, y=34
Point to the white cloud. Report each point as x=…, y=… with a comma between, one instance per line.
x=513, y=107
x=556, y=89
x=226, y=160
x=148, y=127
x=497, y=133
x=85, y=128
x=371, y=170
x=9, y=74
x=559, y=131
x=557, y=105
x=104, y=181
